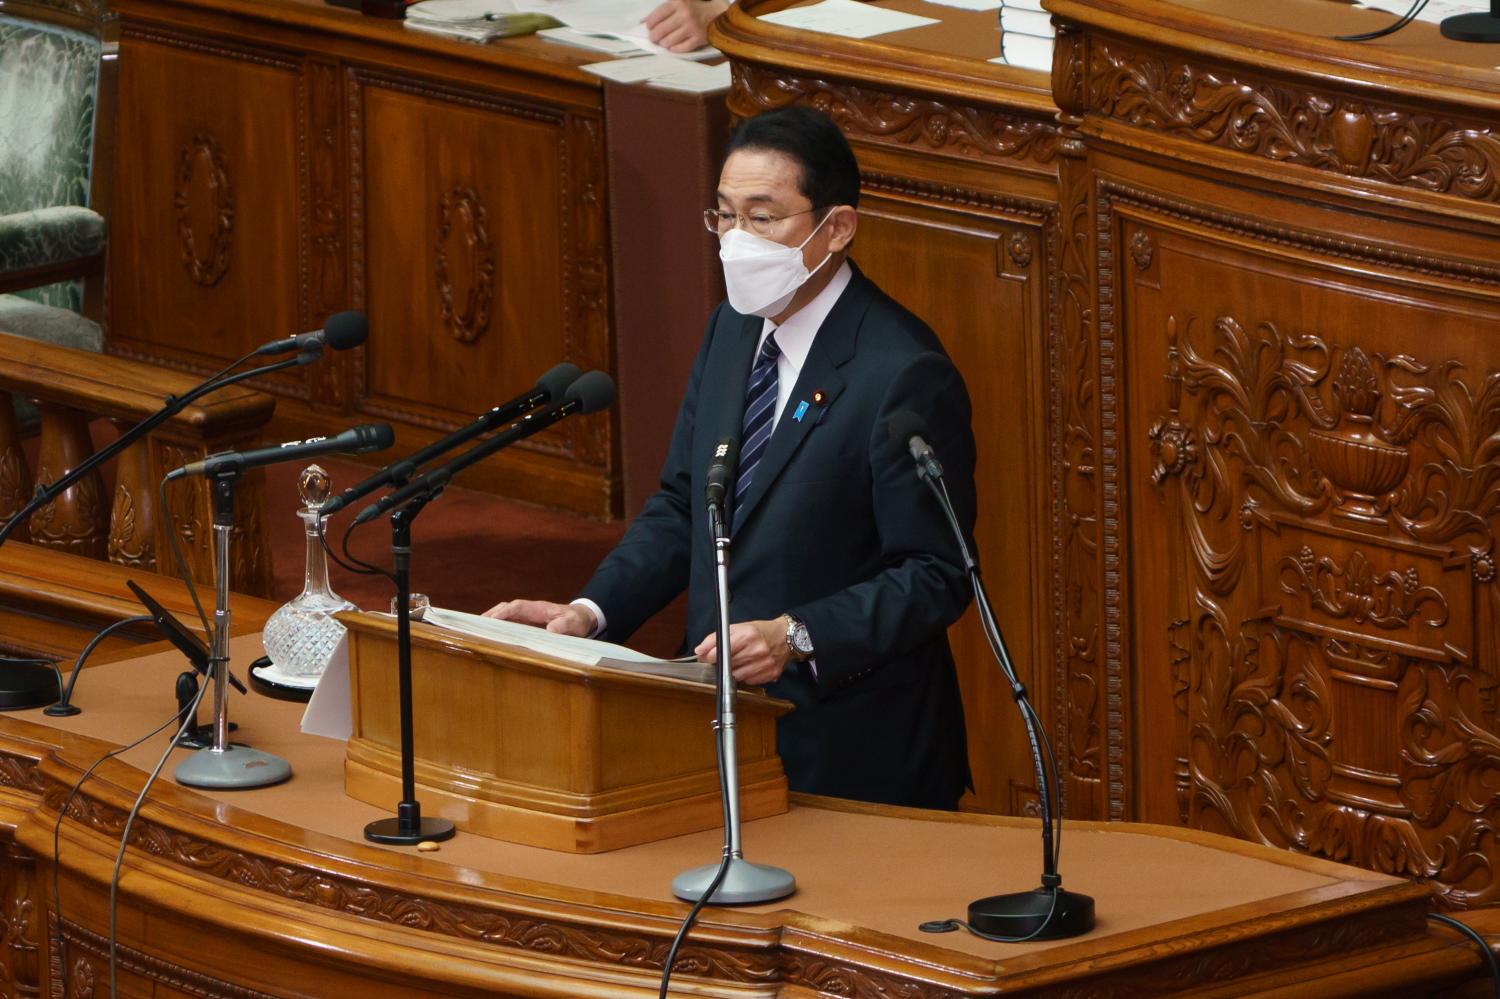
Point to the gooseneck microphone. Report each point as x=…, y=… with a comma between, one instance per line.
x=549, y=388
x=342, y=331
x=356, y=440
x=1049, y=912
x=589, y=393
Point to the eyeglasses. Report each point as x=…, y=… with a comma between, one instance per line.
x=718, y=221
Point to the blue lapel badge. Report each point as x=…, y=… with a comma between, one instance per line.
x=801, y=411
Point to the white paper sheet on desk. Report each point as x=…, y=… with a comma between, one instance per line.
x=580, y=651
x=330, y=712
x=458, y=10
x=1435, y=11
x=695, y=79
x=639, y=69
x=846, y=17
x=607, y=44
x=597, y=17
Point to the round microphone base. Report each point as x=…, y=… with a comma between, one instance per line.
x=1477, y=27
x=1033, y=914
x=744, y=883
x=408, y=827
x=232, y=768
x=61, y=710
x=23, y=685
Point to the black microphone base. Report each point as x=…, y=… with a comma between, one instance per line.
x=1021, y=913
x=1475, y=27
x=61, y=710
x=23, y=686
x=408, y=827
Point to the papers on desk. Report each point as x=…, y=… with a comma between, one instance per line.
x=612, y=19
x=848, y=18
x=578, y=651
x=474, y=20
x=1435, y=11
x=667, y=72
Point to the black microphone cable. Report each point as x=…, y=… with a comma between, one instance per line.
x=62, y=812
x=1390, y=29
x=1484, y=948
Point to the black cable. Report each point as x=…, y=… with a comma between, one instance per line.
x=713, y=886
x=62, y=813
x=366, y=566
x=105, y=632
x=1473, y=934
x=328, y=550
x=1390, y=29
x=114, y=881
x=949, y=925
x=182, y=567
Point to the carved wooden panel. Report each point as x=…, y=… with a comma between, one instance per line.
x=204, y=242
x=21, y=919
x=1314, y=464
x=464, y=221
x=15, y=476
x=923, y=124
x=1247, y=111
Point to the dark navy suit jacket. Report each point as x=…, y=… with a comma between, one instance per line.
x=836, y=529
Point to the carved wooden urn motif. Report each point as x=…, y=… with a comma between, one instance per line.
x=1354, y=456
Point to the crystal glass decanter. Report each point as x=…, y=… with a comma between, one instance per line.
x=301, y=635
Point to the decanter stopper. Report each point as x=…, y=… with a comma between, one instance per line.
x=302, y=634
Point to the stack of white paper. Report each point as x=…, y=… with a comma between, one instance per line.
x=1026, y=35
x=847, y=18
x=620, y=19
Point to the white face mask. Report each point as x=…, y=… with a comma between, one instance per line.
x=762, y=275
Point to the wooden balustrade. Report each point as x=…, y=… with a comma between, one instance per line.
x=120, y=522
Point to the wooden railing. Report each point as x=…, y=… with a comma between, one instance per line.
x=73, y=390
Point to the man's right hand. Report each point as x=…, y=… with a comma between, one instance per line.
x=563, y=619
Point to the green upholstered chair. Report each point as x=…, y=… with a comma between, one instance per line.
x=56, y=92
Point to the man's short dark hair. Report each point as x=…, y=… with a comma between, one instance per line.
x=808, y=137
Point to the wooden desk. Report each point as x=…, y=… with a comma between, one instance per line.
x=1238, y=410
x=270, y=892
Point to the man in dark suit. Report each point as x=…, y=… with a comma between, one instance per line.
x=843, y=574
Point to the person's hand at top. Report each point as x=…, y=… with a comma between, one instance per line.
x=562, y=619
x=682, y=25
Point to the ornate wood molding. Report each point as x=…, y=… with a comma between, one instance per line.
x=461, y=221
x=1342, y=134
x=203, y=183
x=901, y=119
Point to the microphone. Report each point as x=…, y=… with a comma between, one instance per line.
x=721, y=469
x=589, y=393
x=910, y=431
x=356, y=440
x=342, y=331
x=549, y=388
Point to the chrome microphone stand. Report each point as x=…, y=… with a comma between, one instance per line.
x=222, y=765
x=734, y=880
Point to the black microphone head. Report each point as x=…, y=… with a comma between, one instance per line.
x=373, y=437
x=721, y=470
x=556, y=381
x=904, y=425
x=593, y=391
x=726, y=455
x=345, y=329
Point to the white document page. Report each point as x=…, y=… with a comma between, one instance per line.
x=330, y=712
x=580, y=651
x=1435, y=11
x=458, y=10
x=695, y=79
x=848, y=18
x=606, y=44
x=639, y=69
x=596, y=17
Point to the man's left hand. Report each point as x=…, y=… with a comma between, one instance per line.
x=682, y=25
x=758, y=652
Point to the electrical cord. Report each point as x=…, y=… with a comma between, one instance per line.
x=88, y=650
x=949, y=925
x=1390, y=29
x=365, y=567
x=184, y=719
x=1473, y=934
x=182, y=567
x=114, y=881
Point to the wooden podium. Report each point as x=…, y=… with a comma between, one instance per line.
x=521, y=747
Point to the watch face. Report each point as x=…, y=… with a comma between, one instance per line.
x=801, y=641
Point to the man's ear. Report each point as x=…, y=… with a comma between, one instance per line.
x=842, y=223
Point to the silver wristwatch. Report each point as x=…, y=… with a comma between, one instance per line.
x=797, y=639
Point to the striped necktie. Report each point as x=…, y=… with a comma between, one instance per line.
x=760, y=413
